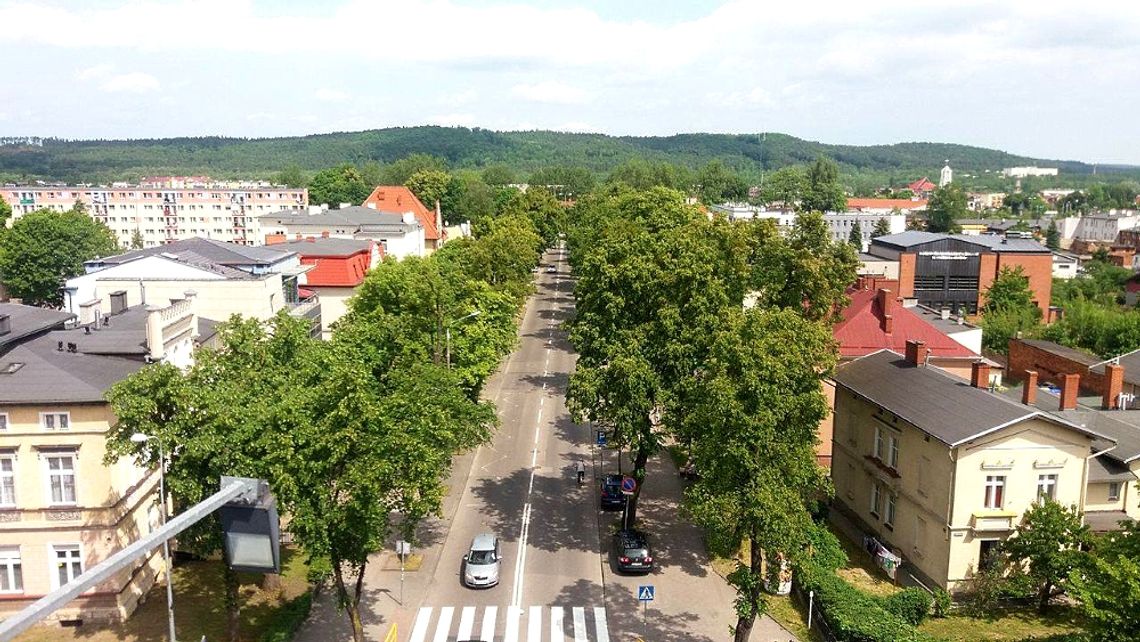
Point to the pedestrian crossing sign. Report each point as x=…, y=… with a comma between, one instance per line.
x=645, y=593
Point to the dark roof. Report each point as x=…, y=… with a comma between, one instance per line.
x=1073, y=354
x=1102, y=521
x=1130, y=361
x=986, y=242
x=355, y=216
x=1106, y=469
x=945, y=407
x=27, y=321
x=328, y=246
x=49, y=376
x=199, y=250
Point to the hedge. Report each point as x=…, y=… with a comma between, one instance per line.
x=852, y=615
x=911, y=604
x=289, y=619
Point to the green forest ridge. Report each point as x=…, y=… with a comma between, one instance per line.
x=749, y=154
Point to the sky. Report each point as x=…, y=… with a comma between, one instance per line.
x=1042, y=78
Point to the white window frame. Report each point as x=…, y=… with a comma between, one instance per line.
x=55, y=417
x=47, y=457
x=12, y=569
x=993, y=483
x=889, y=512
x=5, y=421
x=876, y=498
x=7, y=477
x=1047, y=486
x=892, y=451
x=53, y=561
x=1114, y=491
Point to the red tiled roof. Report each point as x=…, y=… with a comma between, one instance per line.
x=922, y=185
x=397, y=198
x=885, y=203
x=344, y=270
x=861, y=330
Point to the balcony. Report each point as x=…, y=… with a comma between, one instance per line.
x=990, y=521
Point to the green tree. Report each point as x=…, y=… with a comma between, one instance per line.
x=372, y=173
x=291, y=176
x=785, y=186
x=716, y=183
x=1053, y=236
x=336, y=185
x=398, y=172
x=1108, y=589
x=498, y=175
x=643, y=174
x=759, y=402
x=946, y=206
x=1049, y=542
x=137, y=242
x=823, y=192
x=429, y=186
x=5, y=212
x=45, y=248
x=467, y=198
x=882, y=228
x=567, y=182
x=1009, y=291
x=1009, y=309
x=855, y=238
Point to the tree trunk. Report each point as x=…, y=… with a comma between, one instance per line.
x=1043, y=596
x=351, y=603
x=233, y=609
x=744, y=623
x=639, y=462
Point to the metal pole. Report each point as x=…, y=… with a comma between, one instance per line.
x=401, y=579
x=448, y=332
x=166, y=545
x=811, y=605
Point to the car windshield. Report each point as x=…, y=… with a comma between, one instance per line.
x=481, y=557
x=636, y=552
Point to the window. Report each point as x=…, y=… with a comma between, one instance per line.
x=1113, y=491
x=11, y=570
x=995, y=491
x=7, y=481
x=1046, y=487
x=889, y=518
x=68, y=560
x=876, y=498
x=3, y=421
x=923, y=476
x=879, y=443
x=893, y=458
x=61, y=478
x=55, y=420
x=987, y=553
x=886, y=447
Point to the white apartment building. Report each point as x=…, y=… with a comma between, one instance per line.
x=163, y=215
x=1023, y=172
x=1106, y=226
x=841, y=224
x=399, y=233
x=746, y=212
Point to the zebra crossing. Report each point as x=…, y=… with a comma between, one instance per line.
x=510, y=624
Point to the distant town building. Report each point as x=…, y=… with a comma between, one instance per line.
x=338, y=268
x=886, y=205
x=946, y=176
x=399, y=233
x=841, y=224
x=922, y=188
x=400, y=199
x=784, y=218
x=1024, y=172
x=978, y=201
x=161, y=215
x=1105, y=227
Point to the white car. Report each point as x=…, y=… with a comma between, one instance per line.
x=481, y=564
x=551, y=269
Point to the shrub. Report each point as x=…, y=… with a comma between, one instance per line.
x=824, y=548
x=911, y=604
x=942, y=603
x=287, y=620
x=852, y=614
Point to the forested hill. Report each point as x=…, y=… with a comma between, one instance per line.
x=106, y=160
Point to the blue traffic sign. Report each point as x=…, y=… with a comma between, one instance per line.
x=645, y=593
x=601, y=438
x=628, y=485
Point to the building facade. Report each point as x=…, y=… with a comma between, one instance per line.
x=162, y=215
x=841, y=223
x=399, y=234
x=338, y=268
x=401, y=200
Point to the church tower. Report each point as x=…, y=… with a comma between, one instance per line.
x=946, y=176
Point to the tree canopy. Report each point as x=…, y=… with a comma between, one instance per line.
x=45, y=248
x=1049, y=543
x=336, y=185
x=944, y=209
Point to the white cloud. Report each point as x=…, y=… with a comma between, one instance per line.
x=94, y=73
x=327, y=95
x=134, y=82
x=551, y=91
x=454, y=120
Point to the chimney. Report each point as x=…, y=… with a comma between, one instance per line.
x=191, y=296
x=5, y=324
x=980, y=375
x=944, y=313
x=1069, y=386
x=886, y=302
x=1113, y=385
x=118, y=301
x=438, y=217
x=325, y=234
x=370, y=205
x=888, y=324
x=154, y=343
x=87, y=311
x=298, y=237
x=915, y=352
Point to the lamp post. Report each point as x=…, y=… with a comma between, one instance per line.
x=448, y=333
x=140, y=438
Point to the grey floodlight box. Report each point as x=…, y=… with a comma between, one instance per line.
x=252, y=529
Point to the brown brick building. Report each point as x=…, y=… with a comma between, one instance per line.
x=954, y=271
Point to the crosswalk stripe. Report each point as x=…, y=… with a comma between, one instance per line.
x=420, y=628
x=513, y=614
x=466, y=622
x=579, y=624
x=488, y=633
x=556, y=634
x=444, y=626
x=534, y=625
x=600, y=625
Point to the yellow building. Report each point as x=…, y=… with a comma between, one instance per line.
x=61, y=509
x=940, y=472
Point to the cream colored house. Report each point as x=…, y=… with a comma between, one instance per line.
x=61, y=509
x=940, y=471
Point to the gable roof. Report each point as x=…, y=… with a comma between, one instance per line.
x=199, y=251
x=922, y=185
x=861, y=330
x=356, y=217
x=328, y=246
x=985, y=242
x=397, y=198
x=28, y=320
x=945, y=407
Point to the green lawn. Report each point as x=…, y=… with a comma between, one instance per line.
x=1012, y=626
x=198, y=607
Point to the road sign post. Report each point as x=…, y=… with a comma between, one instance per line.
x=628, y=488
x=402, y=549
x=601, y=438
x=645, y=595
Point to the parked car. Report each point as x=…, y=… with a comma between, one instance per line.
x=631, y=552
x=611, y=497
x=552, y=268
x=481, y=563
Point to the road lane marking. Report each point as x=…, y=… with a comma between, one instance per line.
x=556, y=634
x=512, y=634
x=534, y=624
x=600, y=625
x=420, y=628
x=579, y=624
x=520, y=563
x=488, y=632
x=444, y=626
x=466, y=622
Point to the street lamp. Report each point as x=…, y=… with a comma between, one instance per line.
x=448, y=332
x=140, y=438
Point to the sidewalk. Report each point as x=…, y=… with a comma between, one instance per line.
x=691, y=601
